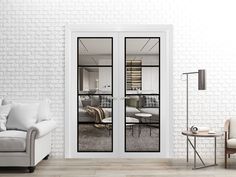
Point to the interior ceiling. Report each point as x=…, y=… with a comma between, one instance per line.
x=95, y=49
x=94, y=46
x=134, y=46
x=143, y=46
x=91, y=69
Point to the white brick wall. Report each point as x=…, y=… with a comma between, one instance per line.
x=32, y=40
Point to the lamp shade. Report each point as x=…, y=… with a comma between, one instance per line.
x=201, y=79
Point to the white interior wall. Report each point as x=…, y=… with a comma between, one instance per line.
x=93, y=76
x=104, y=74
x=32, y=58
x=150, y=79
x=85, y=80
x=104, y=78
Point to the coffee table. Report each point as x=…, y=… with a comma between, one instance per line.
x=130, y=121
x=201, y=135
x=145, y=116
x=108, y=121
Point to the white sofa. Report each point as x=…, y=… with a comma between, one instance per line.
x=26, y=148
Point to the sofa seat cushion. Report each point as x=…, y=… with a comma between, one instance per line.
x=231, y=143
x=12, y=141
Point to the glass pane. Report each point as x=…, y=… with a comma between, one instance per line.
x=95, y=137
x=142, y=138
x=142, y=51
x=95, y=80
x=142, y=80
x=87, y=104
x=94, y=89
x=95, y=51
x=145, y=108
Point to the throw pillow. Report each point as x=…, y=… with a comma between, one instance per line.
x=44, y=110
x=105, y=101
x=22, y=116
x=4, y=111
x=151, y=101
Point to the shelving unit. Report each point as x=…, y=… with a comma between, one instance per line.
x=134, y=74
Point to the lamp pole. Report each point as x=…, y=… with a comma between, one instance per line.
x=187, y=110
x=187, y=113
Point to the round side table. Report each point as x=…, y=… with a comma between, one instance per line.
x=194, y=146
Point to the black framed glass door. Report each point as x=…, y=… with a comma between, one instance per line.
x=142, y=94
x=95, y=94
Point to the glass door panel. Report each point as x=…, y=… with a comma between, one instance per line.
x=95, y=94
x=142, y=94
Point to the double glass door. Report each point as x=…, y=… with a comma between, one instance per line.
x=118, y=92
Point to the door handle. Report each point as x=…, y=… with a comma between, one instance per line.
x=122, y=98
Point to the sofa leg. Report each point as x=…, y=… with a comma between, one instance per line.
x=228, y=155
x=225, y=160
x=31, y=169
x=46, y=157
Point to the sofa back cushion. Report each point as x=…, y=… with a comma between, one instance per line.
x=105, y=101
x=4, y=111
x=22, y=116
x=44, y=112
x=151, y=102
x=5, y=101
x=232, y=128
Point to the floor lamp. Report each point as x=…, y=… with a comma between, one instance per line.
x=201, y=86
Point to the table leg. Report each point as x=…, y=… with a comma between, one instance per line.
x=139, y=130
x=215, y=150
x=195, y=152
x=132, y=129
x=194, y=146
x=150, y=128
x=187, y=149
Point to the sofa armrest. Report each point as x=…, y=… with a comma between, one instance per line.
x=226, y=126
x=36, y=131
x=42, y=128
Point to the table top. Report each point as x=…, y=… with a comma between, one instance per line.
x=131, y=120
x=143, y=115
x=128, y=120
x=202, y=134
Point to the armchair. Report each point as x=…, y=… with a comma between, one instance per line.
x=26, y=149
x=230, y=138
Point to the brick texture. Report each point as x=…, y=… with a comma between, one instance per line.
x=32, y=58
